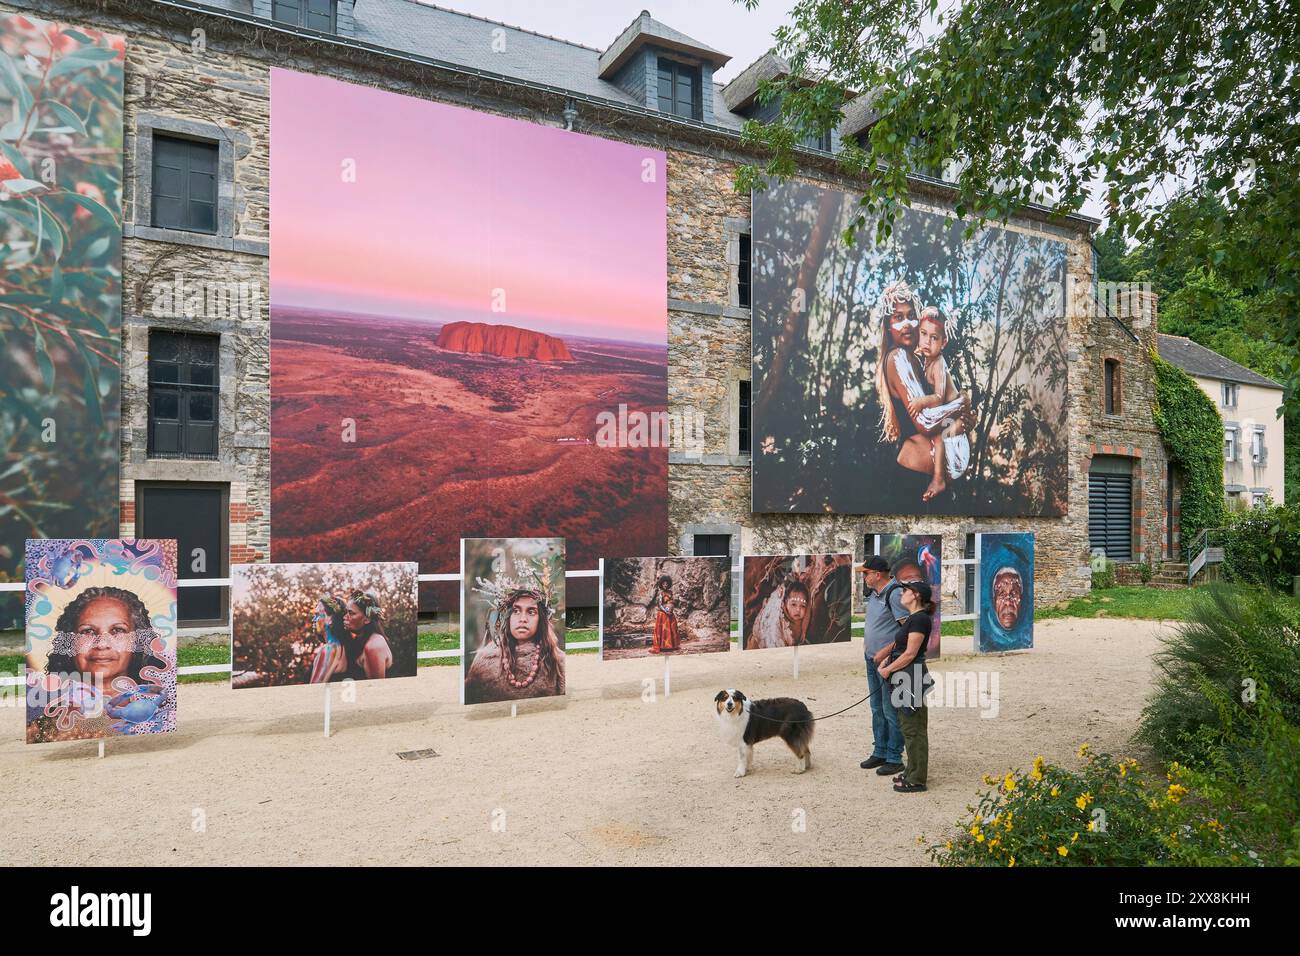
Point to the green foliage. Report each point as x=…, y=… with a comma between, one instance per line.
x=1107, y=813
x=1037, y=100
x=1192, y=431
x=1105, y=578
x=1262, y=546
x=1237, y=644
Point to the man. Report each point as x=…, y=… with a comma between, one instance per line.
x=884, y=606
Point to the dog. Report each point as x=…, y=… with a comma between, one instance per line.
x=744, y=722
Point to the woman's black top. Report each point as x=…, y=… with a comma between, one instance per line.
x=912, y=681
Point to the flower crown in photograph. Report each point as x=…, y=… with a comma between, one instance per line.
x=530, y=577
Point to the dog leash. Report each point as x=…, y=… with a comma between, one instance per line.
x=813, y=720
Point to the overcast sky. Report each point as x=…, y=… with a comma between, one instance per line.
x=724, y=25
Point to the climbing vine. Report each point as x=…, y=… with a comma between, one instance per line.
x=1192, y=432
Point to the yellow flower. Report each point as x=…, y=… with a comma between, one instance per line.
x=989, y=779
x=1092, y=825
x=1037, y=772
x=948, y=846
x=1056, y=791
x=1062, y=851
x=994, y=842
x=1083, y=750
x=1075, y=838
x=1009, y=783
x=1214, y=825
x=1011, y=862
x=1083, y=800
x=1175, y=792
x=975, y=830
x=979, y=838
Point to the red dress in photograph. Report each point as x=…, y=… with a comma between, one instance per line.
x=667, y=637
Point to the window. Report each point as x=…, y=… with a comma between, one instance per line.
x=820, y=141
x=1229, y=394
x=743, y=425
x=1258, y=499
x=679, y=89
x=743, y=272
x=184, y=184
x=1258, y=453
x=716, y=545
x=1230, y=444
x=183, y=394
x=313, y=14
x=1111, y=372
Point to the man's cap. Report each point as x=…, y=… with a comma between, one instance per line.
x=875, y=563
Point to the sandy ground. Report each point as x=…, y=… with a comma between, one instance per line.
x=602, y=777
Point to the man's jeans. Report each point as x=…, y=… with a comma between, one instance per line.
x=887, y=736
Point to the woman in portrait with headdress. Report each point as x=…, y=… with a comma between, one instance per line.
x=368, y=656
x=667, y=635
x=520, y=655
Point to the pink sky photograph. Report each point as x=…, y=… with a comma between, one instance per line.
x=449, y=204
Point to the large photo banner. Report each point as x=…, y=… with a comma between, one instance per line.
x=512, y=619
x=463, y=308
x=61, y=285
x=101, y=638
x=923, y=376
x=796, y=599
x=322, y=623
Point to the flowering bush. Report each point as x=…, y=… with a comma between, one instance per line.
x=1107, y=813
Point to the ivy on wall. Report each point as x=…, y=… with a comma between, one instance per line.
x=1192, y=432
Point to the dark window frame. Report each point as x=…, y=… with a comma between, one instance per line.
x=223, y=571
x=676, y=69
x=186, y=149
x=1112, y=386
x=744, y=270
x=184, y=388
x=744, y=423
x=303, y=15
x=711, y=543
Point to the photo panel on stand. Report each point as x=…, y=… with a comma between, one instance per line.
x=915, y=557
x=101, y=638
x=789, y=600
x=671, y=605
x=511, y=619
x=1006, y=619
x=322, y=623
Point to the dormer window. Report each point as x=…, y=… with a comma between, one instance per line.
x=679, y=89
x=319, y=15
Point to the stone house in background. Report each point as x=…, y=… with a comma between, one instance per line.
x=198, y=96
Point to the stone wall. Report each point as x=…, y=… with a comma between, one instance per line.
x=223, y=82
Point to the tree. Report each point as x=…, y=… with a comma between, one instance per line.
x=1026, y=99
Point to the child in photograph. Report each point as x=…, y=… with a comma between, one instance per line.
x=950, y=448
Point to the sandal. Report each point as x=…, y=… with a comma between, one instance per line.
x=909, y=787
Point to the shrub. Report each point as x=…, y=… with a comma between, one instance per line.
x=1236, y=643
x=1108, y=813
x=1262, y=546
x=1105, y=578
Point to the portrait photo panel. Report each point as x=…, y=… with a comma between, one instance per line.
x=101, y=638
x=933, y=363
x=511, y=619
x=322, y=623
x=796, y=599
x=670, y=605
x=915, y=557
x=1006, y=621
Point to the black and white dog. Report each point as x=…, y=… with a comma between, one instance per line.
x=744, y=722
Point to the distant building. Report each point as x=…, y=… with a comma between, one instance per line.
x=1252, y=425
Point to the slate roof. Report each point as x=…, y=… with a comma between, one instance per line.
x=1196, y=359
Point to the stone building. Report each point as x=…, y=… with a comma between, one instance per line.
x=197, y=71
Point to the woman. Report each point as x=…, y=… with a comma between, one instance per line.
x=520, y=656
x=909, y=679
x=368, y=655
x=102, y=663
x=899, y=378
x=667, y=637
x=327, y=622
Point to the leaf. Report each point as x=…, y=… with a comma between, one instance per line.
x=43, y=359
x=20, y=186
x=67, y=116
x=18, y=159
x=15, y=84
x=99, y=211
x=79, y=59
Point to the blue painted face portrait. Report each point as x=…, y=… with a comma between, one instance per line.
x=1007, y=592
